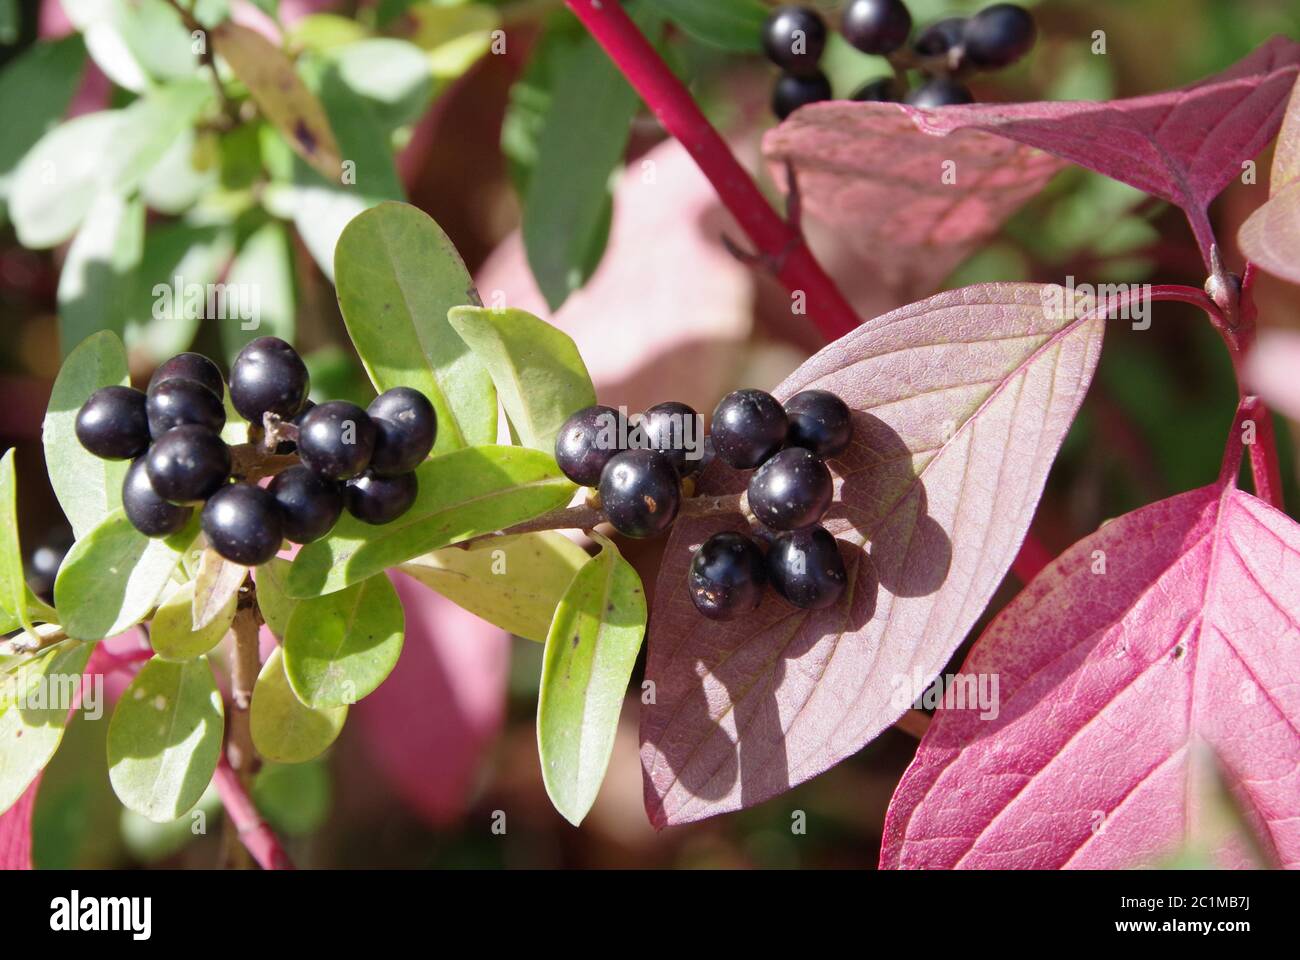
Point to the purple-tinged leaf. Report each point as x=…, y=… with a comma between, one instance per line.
x=961, y=402
x=1169, y=629
x=1271, y=235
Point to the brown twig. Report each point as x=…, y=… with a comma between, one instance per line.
x=240, y=754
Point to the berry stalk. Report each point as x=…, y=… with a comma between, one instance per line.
x=779, y=243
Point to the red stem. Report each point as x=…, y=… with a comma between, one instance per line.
x=779, y=243
x=261, y=842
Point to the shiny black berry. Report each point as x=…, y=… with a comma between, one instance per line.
x=876, y=26
x=373, y=499
x=243, y=524
x=336, y=439
x=790, y=491
x=941, y=37
x=175, y=402
x=113, y=424
x=268, y=376
x=640, y=493
x=189, y=366
x=42, y=567
x=793, y=91
x=999, y=35
x=676, y=431
x=748, y=426
x=805, y=567
x=820, y=422
x=940, y=92
x=587, y=441
x=149, y=513
x=309, y=505
x=881, y=91
x=794, y=38
x=188, y=464
x=727, y=576
x=405, y=429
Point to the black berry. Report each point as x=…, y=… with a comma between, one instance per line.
x=640, y=493
x=748, y=426
x=242, y=523
x=405, y=429
x=188, y=464
x=149, y=513
x=999, y=35
x=794, y=38
x=820, y=422
x=189, y=366
x=42, y=567
x=373, y=499
x=586, y=442
x=674, y=429
x=940, y=92
x=790, y=491
x=793, y=91
x=941, y=37
x=336, y=439
x=176, y=401
x=727, y=576
x=876, y=26
x=268, y=376
x=309, y=506
x=805, y=567
x=881, y=90
x=113, y=424
x=289, y=446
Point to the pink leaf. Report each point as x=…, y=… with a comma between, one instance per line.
x=1271, y=236
x=1171, y=627
x=1272, y=367
x=866, y=170
x=16, y=831
x=962, y=401
x=428, y=724
x=666, y=285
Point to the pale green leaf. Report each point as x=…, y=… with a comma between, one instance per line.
x=734, y=25
x=175, y=182
x=172, y=633
x=262, y=279
x=165, y=738
x=134, y=42
x=34, y=703
x=284, y=728
x=13, y=588
x=394, y=76
x=453, y=36
x=112, y=577
x=537, y=370
x=216, y=587
x=513, y=582
x=398, y=275
x=323, y=31
x=462, y=494
x=179, y=263
x=275, y=604
x=88, y=488
x=339, y=648
x=590, y=652
x=97, y=285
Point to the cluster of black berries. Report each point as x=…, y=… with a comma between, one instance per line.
x=361, y=459
x=639, y=473
x=794, y=38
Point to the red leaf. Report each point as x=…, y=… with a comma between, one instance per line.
x=16, y=831
x=962, y=401
x=1108, y=684
x=1271, y=236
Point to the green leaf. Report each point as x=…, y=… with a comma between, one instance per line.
x=35, y=91
x=590, y=652
x=34, y=704
x=392, y=75
x=216, y=586
x=275, y=604
x=134, y=42
x=151, y=842
x=88, y=488
x=180, y=177
x=513, y=582
x=581, y=144
x=179, y=261
x=284, y=728
x=15, y=596
x=398, y=275
x=113, y=576
x=295, y=798
x=735, y=25
x=165, y=738
x=281, y=95
x=537, y=369
x=323, y=31
x=454, y=36
x=339, y=648
x=462, y=494
x=262, y=277
x=173, y=634
x=10, y=20
x=97, y=285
